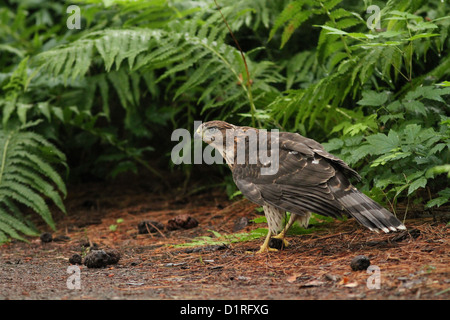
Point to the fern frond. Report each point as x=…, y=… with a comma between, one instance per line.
x=114, y=46
x=197, y=77
x=190, y=49
x=9, y=230
x=121, y=84
x=30, y=178
x=33, y=160
x=24, y=195
x=293, y=15
x=27, y=178
x=33, y=139
x=3, y=237
x=11, y=223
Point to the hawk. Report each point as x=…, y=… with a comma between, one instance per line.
x=307, y=179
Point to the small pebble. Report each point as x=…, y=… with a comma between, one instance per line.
x=240, y=224
x=360, y=263
x=331, y=277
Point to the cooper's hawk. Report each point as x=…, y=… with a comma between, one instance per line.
x=304, y=178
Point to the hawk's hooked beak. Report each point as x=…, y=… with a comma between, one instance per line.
x=199, y=132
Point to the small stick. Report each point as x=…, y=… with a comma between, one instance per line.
x=237, y=44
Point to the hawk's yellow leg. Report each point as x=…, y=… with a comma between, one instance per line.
x=281, y=236
x=265, y=247
x=283, y=232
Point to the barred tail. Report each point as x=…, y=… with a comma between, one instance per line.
x=368, y=212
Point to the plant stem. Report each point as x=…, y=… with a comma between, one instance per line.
x=5, y=149
x=249, y=82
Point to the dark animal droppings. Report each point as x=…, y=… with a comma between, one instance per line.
x=183, y=221
x=360, y=263
x=46, y=237
x=75, y=259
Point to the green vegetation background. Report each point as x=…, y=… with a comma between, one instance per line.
x=94, y=102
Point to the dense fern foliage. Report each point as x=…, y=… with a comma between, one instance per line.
x=27, y=175
x=109, y=94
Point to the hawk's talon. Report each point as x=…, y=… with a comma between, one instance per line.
x=281, y=237
x=266, y=249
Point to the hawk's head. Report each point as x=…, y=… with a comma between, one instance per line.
x=214, y=132
x=242, y=145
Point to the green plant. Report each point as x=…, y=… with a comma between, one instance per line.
x=397, y=132
x=156, y=75
x=113, y=227
x=412, y=154
x=220, y=239
x=349, y=61
x=27, y=178
x=316, y=222
x=178, y=50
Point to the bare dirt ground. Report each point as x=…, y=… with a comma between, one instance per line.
x=412, y=265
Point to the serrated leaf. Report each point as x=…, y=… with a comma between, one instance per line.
x=415, y=106
x=383, y=144
x=416, y=184
x=412, y=132
x=332, y=30
x=389, y=157
x=444, y=197
x=373, y=98
x=421, y=36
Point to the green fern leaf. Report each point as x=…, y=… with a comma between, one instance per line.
x=198, y=77
x=28, y=197
x=294, y=23
x=15, y=224
x=36, y=162
x=330, y=4
x=287, y=14
x=27, y=178
x=185, y=65
x=9, y=230
x=3, y=237
x=177, y=52
x=121, y=84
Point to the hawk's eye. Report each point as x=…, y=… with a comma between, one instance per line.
x=212, y=130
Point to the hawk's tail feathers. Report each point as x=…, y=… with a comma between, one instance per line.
x=369, y=213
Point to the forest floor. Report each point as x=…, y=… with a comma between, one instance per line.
x=409, y=265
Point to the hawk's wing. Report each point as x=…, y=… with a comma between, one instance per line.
x=310, y=179
x=302, y=181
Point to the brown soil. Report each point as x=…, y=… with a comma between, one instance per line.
x=412, y=265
